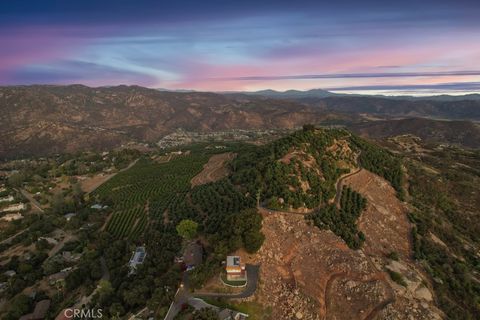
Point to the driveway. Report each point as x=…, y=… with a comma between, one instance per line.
x=252, y=282
x=183, y=295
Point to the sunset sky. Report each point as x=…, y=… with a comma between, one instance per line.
x=392, y=47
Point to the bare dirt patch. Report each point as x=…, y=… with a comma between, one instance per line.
x=300, y=268
x=308, y=273
x=384, y=222
x=214, y=169
x=91, y=183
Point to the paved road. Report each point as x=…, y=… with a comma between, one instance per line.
x=32, y=200
x=13, y=236
x=252, y=274
x=183, y=296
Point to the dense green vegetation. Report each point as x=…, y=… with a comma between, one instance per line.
x=397, y=277
x=145, y=190
x=343, y=221
x=223, y=216
x=447, y=201
x=382, y=162
x=153, y=204
x=261, y=173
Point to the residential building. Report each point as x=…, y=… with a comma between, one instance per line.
x=138, y=257
x=69, y=216
x=10, y=273
x=9, y=198
x=39, y=312
x=227, y=314
x=57, y=278
x=15, y=207
x=12, y=217
x=235, y=269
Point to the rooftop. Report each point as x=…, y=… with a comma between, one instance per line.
x=137, y=258
x=233, y=261
x=39, y=312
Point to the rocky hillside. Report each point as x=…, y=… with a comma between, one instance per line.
x=349, y=256
x=49, y=119
x=463, y=133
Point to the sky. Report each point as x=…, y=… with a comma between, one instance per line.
x=369, y=47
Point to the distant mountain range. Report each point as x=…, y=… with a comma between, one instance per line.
x=53, y=119
x=41, y=119
x=320, y=93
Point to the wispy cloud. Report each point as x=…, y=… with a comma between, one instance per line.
x=358, y=75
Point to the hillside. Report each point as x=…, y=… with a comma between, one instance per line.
x=43, y=120
x=463, y=133
x=40, y=120
x=336, y=226
x=397, y=107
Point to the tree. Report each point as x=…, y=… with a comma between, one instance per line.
x=105, y=292
x=58, y=203
x=20, y=305
x=253, y=240
x=308, y=127
x=187, y=229
x=16, y=179
x=77, y=193
x=205, y=314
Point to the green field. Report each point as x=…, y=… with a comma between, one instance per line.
x=146, y=190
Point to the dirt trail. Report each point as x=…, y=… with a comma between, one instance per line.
x=339, y=185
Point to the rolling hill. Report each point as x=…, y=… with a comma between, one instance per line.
x=39, y=120
x=42, y=120
x=463, y=133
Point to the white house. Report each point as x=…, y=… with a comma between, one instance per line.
x=15, y=207
x=138, y=257
x=9, y=198
x=12, y=217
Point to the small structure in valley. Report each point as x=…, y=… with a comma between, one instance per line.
x=138, y=257
x=235, y=269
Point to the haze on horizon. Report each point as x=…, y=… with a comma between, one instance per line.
x=406, y=47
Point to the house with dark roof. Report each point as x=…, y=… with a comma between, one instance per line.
x=39, y=312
